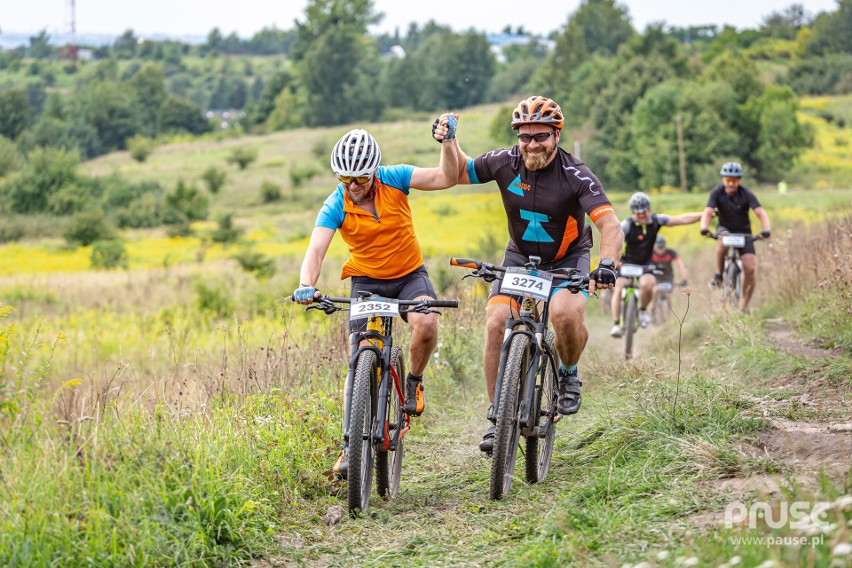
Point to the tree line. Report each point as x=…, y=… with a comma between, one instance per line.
x=623, y=92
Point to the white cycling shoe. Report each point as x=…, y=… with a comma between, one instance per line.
x=616, y=331
x=644, y=318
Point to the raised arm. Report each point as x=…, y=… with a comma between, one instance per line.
x=684, y=219
x=447, y=173
x=705, y=219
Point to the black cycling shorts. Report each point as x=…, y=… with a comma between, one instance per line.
x=412, y=285
x=749, y=245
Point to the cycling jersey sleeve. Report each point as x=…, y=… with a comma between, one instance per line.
x=663, y=219
x=484, y=168
x=331, y=214
x=713, y=199
x=625, y=226
x=590, y=193
x=752, y=199
x=398, y=176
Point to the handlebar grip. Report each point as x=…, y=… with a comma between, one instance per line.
x=443, y=303
x=465, y=262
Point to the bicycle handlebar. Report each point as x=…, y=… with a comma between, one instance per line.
x=424, y=303
x=483, y=269
x=748, y=238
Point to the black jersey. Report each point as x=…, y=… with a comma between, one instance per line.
x=545, y=208
x=639, y=239
x=663, y=263
x=732, y=210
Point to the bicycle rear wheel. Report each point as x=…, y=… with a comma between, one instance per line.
x=508, y=429
x=732, y=288
x=631, y=313
x=389, y=462
x=539, y=447
x=360, y=476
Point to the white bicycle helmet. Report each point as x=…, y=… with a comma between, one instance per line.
x=356, y=154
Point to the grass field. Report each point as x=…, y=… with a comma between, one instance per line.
x=178, y=413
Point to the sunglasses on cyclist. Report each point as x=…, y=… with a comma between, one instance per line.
x=360, y=180
x=541, y=137
x=730, y=180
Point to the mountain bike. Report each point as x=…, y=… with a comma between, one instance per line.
x=630, y=301
x=663, y=301
x=526, y=390
x=732, y=271
x=375, y=422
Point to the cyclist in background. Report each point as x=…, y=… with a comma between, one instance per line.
x=665, y=259
x=640, y=234
x=731, y=202
x=370, y=208
x=546, y=193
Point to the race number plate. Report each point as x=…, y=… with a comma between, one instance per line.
x=373, y=307
x=737, y=241
x=630, y=270
x=534, y=283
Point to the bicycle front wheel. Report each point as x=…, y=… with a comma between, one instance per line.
x=631, y=315
x=508, y=427
x=733, y=286
x=389, y=462
x=360, y=476
x=539, y=446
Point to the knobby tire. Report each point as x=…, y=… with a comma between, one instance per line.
x=630, y=323
x=359, y=478
x=389, y=463
x=539, y=450
x=508, y=430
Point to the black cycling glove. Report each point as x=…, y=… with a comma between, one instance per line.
x=705, y=232
x=603, y=275
x=765, y=234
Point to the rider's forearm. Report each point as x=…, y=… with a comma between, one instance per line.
x=449, y=164
x=705, y=218
x=612, y=239
x=310, y=272
x=763, y=218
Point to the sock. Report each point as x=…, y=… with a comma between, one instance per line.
x=567, y=369
x=418, y=378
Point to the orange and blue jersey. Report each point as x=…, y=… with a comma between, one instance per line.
x=383, y=245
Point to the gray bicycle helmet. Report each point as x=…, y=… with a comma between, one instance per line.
x=732, y=169
x=356, y=154
x=639, y=202
x=661, y=241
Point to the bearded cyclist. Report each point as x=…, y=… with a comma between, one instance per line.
x=640, y=233
x=546, y=194
x=731, y=202
x=370, y=209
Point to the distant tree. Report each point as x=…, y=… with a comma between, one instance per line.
x=47, y=171
x=87, y=227
x=40, y=47
x=334, y=59
x=112, y=110
x=125, y=45
x=831, y=31
x=785, y=24
x=185, y=203
x=214, y=178
x=140, y=147
x=597, y=27
x=10, y=158
x=15, y=112
x=150, y=90
x=737, y=70
x=177, y=114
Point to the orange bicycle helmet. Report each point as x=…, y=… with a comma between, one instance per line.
x=537, y=110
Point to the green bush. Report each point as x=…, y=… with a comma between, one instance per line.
x=140, y=147
x=213, y=299
x=214, y=178
x=226, y=232
x=242, y=157
x=10, y=158
x=109, y=254
x=88, y=227
x=301, y=174
x=256, y=263
x=269, y=192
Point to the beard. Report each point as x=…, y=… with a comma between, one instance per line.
x=537, y=160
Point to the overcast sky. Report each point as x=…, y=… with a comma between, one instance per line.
x=245, y=17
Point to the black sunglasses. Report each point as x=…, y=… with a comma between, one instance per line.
x=541, y=137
